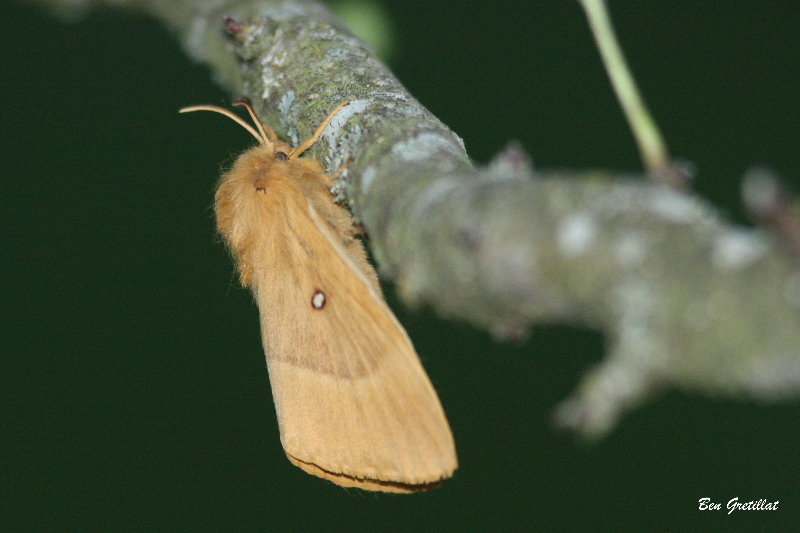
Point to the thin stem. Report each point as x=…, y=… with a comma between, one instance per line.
x=652, y=148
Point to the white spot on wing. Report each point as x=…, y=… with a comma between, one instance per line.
x=318, y=300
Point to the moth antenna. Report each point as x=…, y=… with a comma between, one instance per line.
x=266, y=132
x=311, y=140
x=261, y=139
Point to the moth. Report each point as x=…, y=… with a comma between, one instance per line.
x=353, y=402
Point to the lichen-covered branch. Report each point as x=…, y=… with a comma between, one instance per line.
x=684, y=298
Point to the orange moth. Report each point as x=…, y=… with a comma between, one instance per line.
x=353, y=403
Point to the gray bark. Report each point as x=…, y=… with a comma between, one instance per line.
x=683, y=297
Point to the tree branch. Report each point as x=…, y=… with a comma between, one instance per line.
x=683, y=297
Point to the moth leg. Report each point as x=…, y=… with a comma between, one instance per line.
x=338, y=172
x=337, y=190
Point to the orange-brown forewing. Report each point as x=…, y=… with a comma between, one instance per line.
x=354, y=404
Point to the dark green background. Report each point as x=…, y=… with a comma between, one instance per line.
x=134, y=391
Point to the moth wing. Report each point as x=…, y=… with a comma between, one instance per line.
x=353, y=403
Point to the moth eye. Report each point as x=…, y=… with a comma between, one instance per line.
x=318, y=300
x=280, y=156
